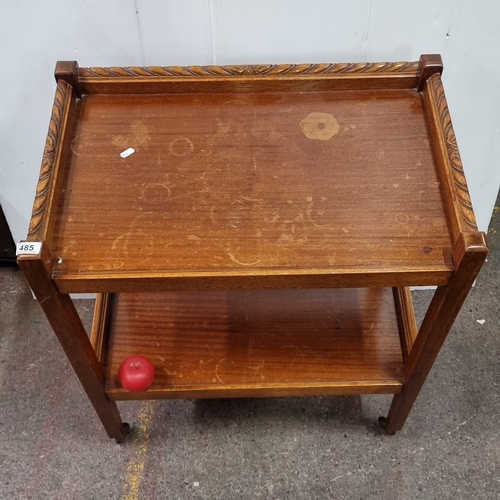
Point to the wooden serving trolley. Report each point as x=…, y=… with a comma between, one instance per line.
x=252, y=230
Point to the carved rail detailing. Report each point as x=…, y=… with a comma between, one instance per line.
x=49, y=154
x=455, y=161
x=292, y=70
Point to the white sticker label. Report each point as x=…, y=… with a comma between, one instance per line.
x=127, y=152
x=29, y=248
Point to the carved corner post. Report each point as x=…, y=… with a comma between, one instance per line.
x=469, y=254
x=67, y=326
x=68, y=71
x=428, y=65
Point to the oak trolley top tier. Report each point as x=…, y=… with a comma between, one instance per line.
x=251, y=177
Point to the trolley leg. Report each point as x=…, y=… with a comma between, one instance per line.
x=469, y=254
x=67, y=326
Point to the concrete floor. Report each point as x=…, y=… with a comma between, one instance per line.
x=53, y=446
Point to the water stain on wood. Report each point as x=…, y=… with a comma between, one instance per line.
x=180, y=147
x=137, y=136
x=320, y=126
x=402, y=219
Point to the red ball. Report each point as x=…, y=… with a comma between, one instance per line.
x=136, y=374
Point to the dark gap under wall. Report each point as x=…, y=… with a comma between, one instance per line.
x=7, y=247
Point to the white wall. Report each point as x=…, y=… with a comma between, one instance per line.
x=35, y=34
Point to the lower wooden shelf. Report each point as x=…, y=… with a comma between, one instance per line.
x=256, y=343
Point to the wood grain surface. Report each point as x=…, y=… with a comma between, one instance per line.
x=259, y=343
x=257, y=183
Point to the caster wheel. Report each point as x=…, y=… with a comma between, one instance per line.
x=126, y=429
x=382, y=422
